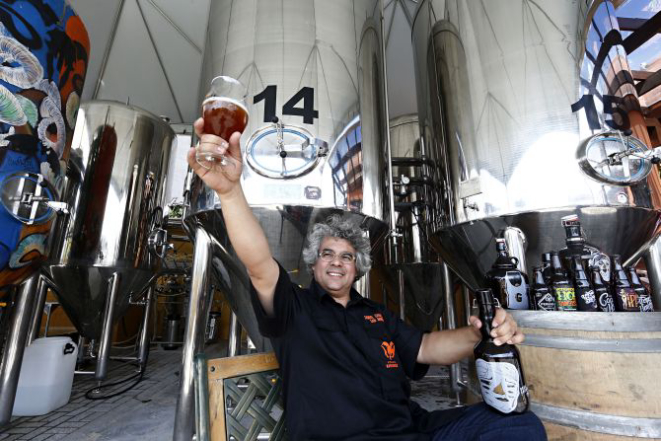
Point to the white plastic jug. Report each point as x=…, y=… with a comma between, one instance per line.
x=46, y=376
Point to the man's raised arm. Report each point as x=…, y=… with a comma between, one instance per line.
x=243, y=229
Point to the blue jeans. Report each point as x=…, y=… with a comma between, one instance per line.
x=481, y=423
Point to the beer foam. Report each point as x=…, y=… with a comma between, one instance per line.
x=227, y=100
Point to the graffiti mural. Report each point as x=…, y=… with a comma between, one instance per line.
x=44, y=50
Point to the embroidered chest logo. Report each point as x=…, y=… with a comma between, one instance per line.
x=375, y=318
x=389, y=351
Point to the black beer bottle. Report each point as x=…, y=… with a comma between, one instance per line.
x=604, y=297
x=644, y=298
x=585, y=296
x=625, y=297
x=573, y=239
x=547, y=269
x=541, y=294
x=508, y=283
x=498, y=367
x=561, y=286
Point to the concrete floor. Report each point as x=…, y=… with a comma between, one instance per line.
x=146, y=412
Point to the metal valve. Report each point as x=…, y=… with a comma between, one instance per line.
x=158, y=242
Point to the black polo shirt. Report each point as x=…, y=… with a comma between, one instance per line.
x=345, y=370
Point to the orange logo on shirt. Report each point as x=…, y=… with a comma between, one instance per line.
x=378, y=317
x=389, y=351
x=370, y=319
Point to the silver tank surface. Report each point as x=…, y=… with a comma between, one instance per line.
x=318, y=67
x=115, y=185
x=520, y=104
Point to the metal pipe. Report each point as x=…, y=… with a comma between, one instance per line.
x=451, y=323
x=145, y=332
x=184, y=424
x=234, y=343
x=652, y=258
x=12, y=357
x=106, y=54
x=516, y=245
x=391, y=190
x=106, y=332
x=201, y=398
x=81, y=350
x=401, y=286
x=467, y=303
x=39, y=301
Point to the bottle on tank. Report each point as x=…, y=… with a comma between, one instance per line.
x=542, y=298
x=625, y=297
x=605, y=301
x=644, y=298
x=561, y=287
x=509, y=284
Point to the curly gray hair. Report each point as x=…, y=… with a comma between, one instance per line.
x=341, y=228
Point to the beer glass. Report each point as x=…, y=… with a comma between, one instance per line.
x=224, y=112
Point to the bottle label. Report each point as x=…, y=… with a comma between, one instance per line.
x=645, y=303
x=514, y=295
x=606, y=302
x=499, y=383
x=546, y=303
x=566, y=298
x=628, y=299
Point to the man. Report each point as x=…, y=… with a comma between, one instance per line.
x=344, y=359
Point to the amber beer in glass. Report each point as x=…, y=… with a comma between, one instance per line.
x=224, y=112
x=224, y=116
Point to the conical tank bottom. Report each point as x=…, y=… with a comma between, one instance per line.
x=469, y=248
x=423, y=292
x=83, y=291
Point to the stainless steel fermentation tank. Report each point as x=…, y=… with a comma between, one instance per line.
x=105, y=250
x=318, y=67
x=520, y=104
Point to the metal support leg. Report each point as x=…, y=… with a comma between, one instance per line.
x=652, y=258
x=451, y=323
x=234, y=344
x=39, y=302
x=145, y=332
x=106, y=331
x=12, y=357
x=184, y=422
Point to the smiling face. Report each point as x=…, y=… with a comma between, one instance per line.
x=336, y=275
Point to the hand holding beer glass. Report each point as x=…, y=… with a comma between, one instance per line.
x=224, y=112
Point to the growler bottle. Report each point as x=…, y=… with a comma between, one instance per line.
x=574, y=241
x=604, y=297
x=561, y=286
x=547, y=269
x=585, y=296
x=625, y=297
x=509, y=284
x=644, y=298
x=542, y=298
x=498, y=367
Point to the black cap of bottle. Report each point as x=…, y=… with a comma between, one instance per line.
x=487, y=306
